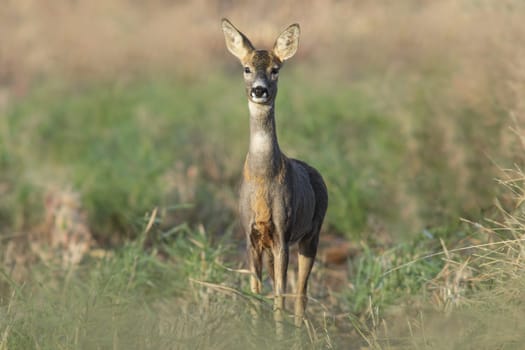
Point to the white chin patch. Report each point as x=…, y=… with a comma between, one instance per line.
x=259, y=99
x=262, y=99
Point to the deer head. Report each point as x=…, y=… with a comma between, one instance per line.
x=261, y=67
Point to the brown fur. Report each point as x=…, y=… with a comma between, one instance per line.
x=261, y=60
x=260, y=204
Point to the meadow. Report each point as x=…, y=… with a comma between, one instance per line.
x=123, y=130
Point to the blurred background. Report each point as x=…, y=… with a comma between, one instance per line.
x=405, y=107
x=124, y=127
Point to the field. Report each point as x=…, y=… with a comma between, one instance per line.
x=123, y=130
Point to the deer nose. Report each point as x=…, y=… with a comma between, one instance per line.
x=259, y=91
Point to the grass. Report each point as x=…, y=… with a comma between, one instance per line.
x=118, y=126
x=128, y=147
x=162, y=141
x=176, y=294
x=180, y=287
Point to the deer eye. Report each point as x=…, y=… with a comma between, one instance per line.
x=274, y=71
x=247, y=70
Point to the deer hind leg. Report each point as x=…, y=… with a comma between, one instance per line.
x=307, y=252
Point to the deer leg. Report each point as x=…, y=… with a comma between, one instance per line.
x=255, y=259
x=280, y=255
x=255, y=266
x=270, y=265
x=307, y=252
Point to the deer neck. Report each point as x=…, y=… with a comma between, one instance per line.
x=264, y=155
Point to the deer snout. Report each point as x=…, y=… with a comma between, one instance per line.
x=259, y=92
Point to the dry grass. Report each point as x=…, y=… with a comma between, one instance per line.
x=476, y=300
x=122, y=37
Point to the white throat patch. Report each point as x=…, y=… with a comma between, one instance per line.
x=258, y=110
x=260, y=142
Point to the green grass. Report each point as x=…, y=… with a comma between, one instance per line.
x=179, y=288
x=400, y=170
x=382, y=279
x=164, y=141
x=174, y=295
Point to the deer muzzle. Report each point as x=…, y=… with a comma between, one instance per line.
x=259, y=92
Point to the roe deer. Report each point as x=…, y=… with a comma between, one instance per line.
x=282, y=200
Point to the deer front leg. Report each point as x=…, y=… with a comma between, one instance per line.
x=307, y=252
x=255, y=261
x=280, y=256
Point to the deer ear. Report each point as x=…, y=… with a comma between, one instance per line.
x=286, y=44
x=236, y=42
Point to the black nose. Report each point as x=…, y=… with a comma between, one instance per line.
x=259, y=91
